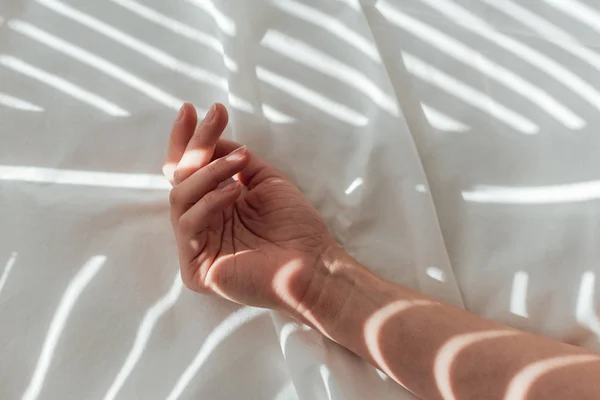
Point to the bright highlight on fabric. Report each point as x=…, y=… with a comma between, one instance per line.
x=440, y=79
x=585, y=311
x=475, y=24
x=441, y=121
x=7, y=268
x=518, y=296
x=18, y=104
x=229, y=325
x=77, y=285
x=312, y=98
x=301, y=52
x=154, y=313
x=436, y=273
x=178, y=28
x=556, y=194
x=331, y=24
x=224, y=23
x=354, y=185
x=83, y=178
x=62, y=85
x=158, y=56
x=96, y=62
x=474, y=59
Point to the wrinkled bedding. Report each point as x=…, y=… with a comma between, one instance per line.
x=451, y=146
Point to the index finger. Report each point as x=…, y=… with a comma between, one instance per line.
x=201, y=146
x=181, y=133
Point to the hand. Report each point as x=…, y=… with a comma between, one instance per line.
x=243, y=230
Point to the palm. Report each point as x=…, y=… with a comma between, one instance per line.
x=268, y=227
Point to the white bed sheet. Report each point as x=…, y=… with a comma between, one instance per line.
x=450, y=145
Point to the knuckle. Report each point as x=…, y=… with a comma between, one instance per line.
x=185, y=223
x=208, y=200
x=174, y=197
x=213, y=171
x=177, y=175
x=212, y=168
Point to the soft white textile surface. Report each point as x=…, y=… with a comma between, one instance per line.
x=450, y=145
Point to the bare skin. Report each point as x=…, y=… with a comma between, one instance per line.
x=247, y=234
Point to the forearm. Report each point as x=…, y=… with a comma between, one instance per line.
x=438, y=351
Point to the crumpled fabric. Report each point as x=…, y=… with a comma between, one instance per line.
x=449, y=145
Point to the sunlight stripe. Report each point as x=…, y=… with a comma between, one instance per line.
x=476, y=60
x=312, y=98
x=153, y=314
x=66, y=305
x=579, y=11
x=224, y=23
x=311, y=57
x=96, y=62
x=227, y=327
x=7, y=268
x=158, y=56
x=82, y=178
x=471, y=22
x=18, y=104
x=441, y=121
x=556, y=194
x=468, y=94
x=178, y=28
x=331, y=24
x=62, y=85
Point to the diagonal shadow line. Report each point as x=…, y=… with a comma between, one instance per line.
x=151, y=317
x=158, y=56
x=77, y=285
x=468, y=94
x=230, y=324
x=18, y=104
x=62, y=85
x=338, y=29
x=330, y=24
x=473, y=23
x=301, y=52
x=311, y=97
x=178, y=28
x=96, y=62
x=154, y=54
x=7, y=268
x=398, y=85
x=224, y=23
x=579, y=11
x=546, y=30
x=459, y=51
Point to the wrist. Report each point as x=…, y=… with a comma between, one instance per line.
x=341, y=294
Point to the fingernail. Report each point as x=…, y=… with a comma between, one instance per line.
x=181, y=113
x=230, y=187
x=237, y=154
x=210, y=115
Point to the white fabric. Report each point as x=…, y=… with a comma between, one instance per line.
x=450, y=145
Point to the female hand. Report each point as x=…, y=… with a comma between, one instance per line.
x=253, y=239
